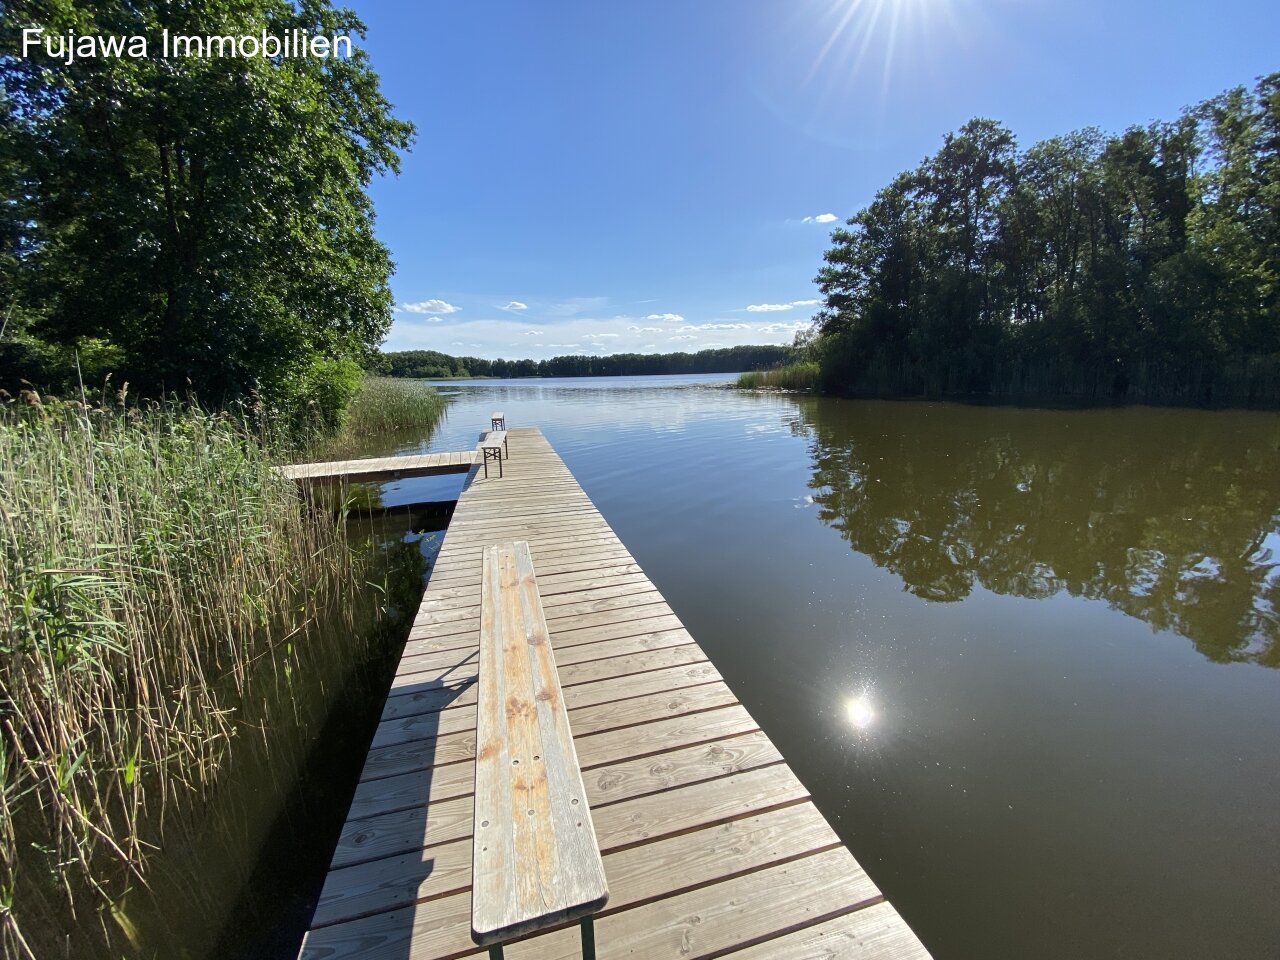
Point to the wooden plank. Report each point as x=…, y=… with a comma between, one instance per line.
x=410, y=761
x=380, y=468
x=711, y=846
x=602, y=691
x=536, y=862
x=426, y=685
x=743, y=835
x=728, y=752
x=874, y=933
x=430, y=618
x=585, y=720
x=697, y=923
x=578, y=557
x=710, y=920
x=618, y=822
x=467, y=595
x=631, y=636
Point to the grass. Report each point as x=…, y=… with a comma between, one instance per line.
x=163, y=591
x=794, y=376
x=384, y=405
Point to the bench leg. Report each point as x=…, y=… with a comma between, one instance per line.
x=495, y=952
x=492, y=453
x=588, y=938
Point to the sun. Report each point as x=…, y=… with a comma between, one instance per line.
x=859, y=33
x=860, y=712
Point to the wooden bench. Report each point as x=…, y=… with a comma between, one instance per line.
x=498, y=420
x=535, y=860
x=491, y=448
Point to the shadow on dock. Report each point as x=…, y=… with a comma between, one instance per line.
x=410, y=800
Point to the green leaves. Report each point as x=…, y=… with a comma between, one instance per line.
x=206, y=219
x=1076, y=267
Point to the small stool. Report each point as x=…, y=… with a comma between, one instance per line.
x=491, y=448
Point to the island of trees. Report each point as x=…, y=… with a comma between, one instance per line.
x=428, y=364
x=1142, y=267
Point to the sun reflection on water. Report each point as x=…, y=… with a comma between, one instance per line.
x=860, y=712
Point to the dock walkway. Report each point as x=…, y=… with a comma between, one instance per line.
x=711, y=845
x=383, y=468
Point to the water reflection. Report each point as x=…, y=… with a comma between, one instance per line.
x=861, y=712
x=1170, y=516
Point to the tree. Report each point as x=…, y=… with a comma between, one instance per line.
x=1139, y=266
x=205, y=217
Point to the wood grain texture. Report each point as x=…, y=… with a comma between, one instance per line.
x=711, y=846
x=381, y=468
x=534, y=854
x=876, y=933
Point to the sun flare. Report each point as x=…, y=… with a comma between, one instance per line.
x=860, y=712
x=866, y=33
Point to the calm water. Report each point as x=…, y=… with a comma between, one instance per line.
x=1027, y=661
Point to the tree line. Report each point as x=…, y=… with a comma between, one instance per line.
x=1143, y=266
x=429, y=364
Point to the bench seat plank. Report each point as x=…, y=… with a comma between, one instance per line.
x=494, y=438
x=535, y=858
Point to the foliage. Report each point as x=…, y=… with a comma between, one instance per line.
x=1144, y=266
x=793, y=376
x=429, y=364
x=383, y=405
x=203, y=219
x=160, y=586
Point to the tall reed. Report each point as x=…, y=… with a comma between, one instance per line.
x=161, y=590
x=384, y=405
x=794, y=376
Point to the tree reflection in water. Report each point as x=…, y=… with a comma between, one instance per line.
x=1172, y=516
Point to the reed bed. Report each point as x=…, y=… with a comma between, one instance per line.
x=794, y=376
x=162, y=590
x=384, y=406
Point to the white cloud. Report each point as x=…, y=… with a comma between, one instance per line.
x=669, y=317
x=774, y=307
x=515, y=305
x=515, y=336
x=821, y=218
x=428, y=306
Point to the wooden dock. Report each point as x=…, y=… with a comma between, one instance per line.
x=377, y=469
x=711, y=845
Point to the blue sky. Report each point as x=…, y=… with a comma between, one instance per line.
x=599, y=177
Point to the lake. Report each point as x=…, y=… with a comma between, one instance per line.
x=1026, y=660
